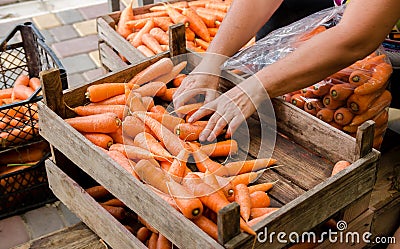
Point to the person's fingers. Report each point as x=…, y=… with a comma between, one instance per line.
x=219, y=126
x=209, y=127
x=210, y=96
x=201, y=112
x=233, y=126
x=180, y=100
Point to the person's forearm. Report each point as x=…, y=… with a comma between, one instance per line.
x=333, y=49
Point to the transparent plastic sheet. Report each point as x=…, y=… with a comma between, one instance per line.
x=283, y=41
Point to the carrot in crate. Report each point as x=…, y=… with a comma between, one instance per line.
x=137, y=40
x=98, y=192
x=361, y=103
x=148, y=142
x=264, y=187
x=163, y=23
x=21, y=92
x=331, y=103
x=177, y=5
x=221, y=149
x=126, y=15
x=220, y=15
x=135, y=24
x=177, y=81
x=22, y=80
x=258, y=212
x=99, y=139
x=103, y=123
x=322, y=88
x=173, y=73
x=163, y=66
x=151, y=89
x=202, y=43
x=326, y=115
x=163, y=242
x=208, y=226
x=100, y=92
x=152, y=43
x=196, y=24
x=259, y=199
x=114, y=202
x=359, y=77
x=169, y=93
x=298, y=100
x=158, y=109
x=151, y=15
x=190, y=35
x=167, y=120
x=343, y=116
x=341, y=92
x=143, y=234
x=148, y=102
x=241, y=167
x=210, y=21
x=152, y=175
x=178, y=167
x=17, y=135
x=242, y=197
x=34, y=83
x=190, y=206
x=99, y=109
x=5, y=93
x=204, y=163
x=190, y=131
x=177, y=17
x=160, y=35
x=115, y=100
x=145, y=51
x=152, y=243
x=378, y=80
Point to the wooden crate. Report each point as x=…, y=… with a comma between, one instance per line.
x=307, y=147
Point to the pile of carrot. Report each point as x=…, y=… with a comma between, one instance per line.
x=17, y=124
x=350, y=97
x=162, y=150
x=148, y=32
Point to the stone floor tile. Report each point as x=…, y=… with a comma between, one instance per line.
x=62, y=33
x=46, y=21
x=43, y=220
x=69, y=217
x=94, y=11
x=72, y=67
x=48, y=37
x=75, y=80
x=70, y=16
x=86, y=27
x=12, y=232
x=94, y=74
x=15, y=12
x=75, y=46
x=95, y=56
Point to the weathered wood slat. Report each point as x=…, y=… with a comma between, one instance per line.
x=89, y=211
x=109, y=58
x=118, y=181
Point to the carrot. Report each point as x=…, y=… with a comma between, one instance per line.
x=190, y=35
x=168, y=95
x=220, y=15
x=17, y=135
x=190, y=206
x=147, y=225
x=287, y=97
x=148, y=142
x=103, y=123
x=152, y=43
x=242, y=197
x=163, y=242
x=359, y=77
x=222, y=148
x=341, y=92
x=135, y=152
x=158, y=109
x=34, y=83
x=185, y=109
x=152, y=175
x=126, y=15
x=381, y=118
x=241, y=167
x=160, y=36
x=332, y=104
x=343, y=116
x=114, y=202
x=343, y=74
x=176, y=17
x=21, y=92
x=207, y=226
x=380, y=130
x=258, y=212
x=151, y=89
x=190, y=131
x=340, y=165
x=100, y=92
x=143, y=234
x=197, y=24
x=22, y=80
x=227, y=187
x=198, y=3
x=254, y=221
x=174, y=72
x=133, y=126
x=166, y=197
x=259, y=199
x=145, y=50
x=378, y=80
x=264, y=187
x=152, y=244
x=98, y=192
x=361, y=103
x=151, y=15
x=311, y=106
x=99, y=139
x=100, y=109
x=122, y=160
x=350, y=128
x=163, y=23
x=135, y=102
x=15, y=112
x=213, y=31
x=298, y=100
x=137, y=40
x=167, y=120
x=148, y=102
x=377, y=142
x=153, y=71
x=22, y=155
x=245, y=178
x=371, y=62
x=118, y=212
x=178, y=167
x=5, y=93
x=203, y=162
x=312, y=33
x=116, y=100
x=177, y=5
x=322, y=88
x=379, y=104
x=177, y=81
x=135, y=24
x=202, y=43
x=326, y=115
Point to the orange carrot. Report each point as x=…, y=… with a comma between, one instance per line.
x=117, y=136
x=174, y=72
x=116, y=100
x=98, y=192
x=254, y=221
x=145, y=51
x=190, y=131
x=331, y=103
x=322, y=88
x=152, y=175
x=178, y=166
x=147, y=225
x=202, y=43
x=134, y=152
x=21, y=92
x=264, y=187
x=103, y=123
x=177, y=5
x=5, y=93
x=359, y=77
x=178, y=80
x=135, y=102
x=133, y=126
x=160, y=36
x=207, y=226
x=212, y=31
x=34, y=83
x=219, y=149
x=135, y=24
x=100, y=109
x=143, y=234
x=158, y=109
x=245, y=178
x=114, y=202
x=203, y=162
x=361, y=103
x=17, y=135
x=163, y=23
x=185, y=109
x=381, y=118
x=148, y=102
x=341, y=92
x=99, y=92
x=197, y=24
x=151, y=15
x=198, y=3
x=326, y=115
x=168, y=95
x=298, y=100
x=153, y=71
x=378, y=80
x=190, y=206
x=343, y=116
x=242, y=197
x=176, y=17
x=173, y=144
x=151, y=89
x=153, y=241
x=22, y=80
x=163, y=242
x=190, y=35
x=122, y=160
x=152, y=43
x=312, y=33
x=219, y=14
x=259, y=199
x=241, y=167
x=148, y=142
x=258, y=212
x=99, y=139
x=371, y=62
x=218, y=6
x=167, y=120
x=126, y=15
x=340, y=165
x=137, y=40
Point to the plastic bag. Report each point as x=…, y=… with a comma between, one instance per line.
x=283, y=41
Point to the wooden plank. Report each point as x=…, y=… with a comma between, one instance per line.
x=310, y=209
x=357, y=208
x=364, y=139
x=52, y=91
x=228, y=222
x=177, y=40
x=106, y=171
x=386, y=219
x=75, y=237
x=109, y=58
x=89, y=211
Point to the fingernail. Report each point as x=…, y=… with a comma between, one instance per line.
x=190, y=120
x=202, y=138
